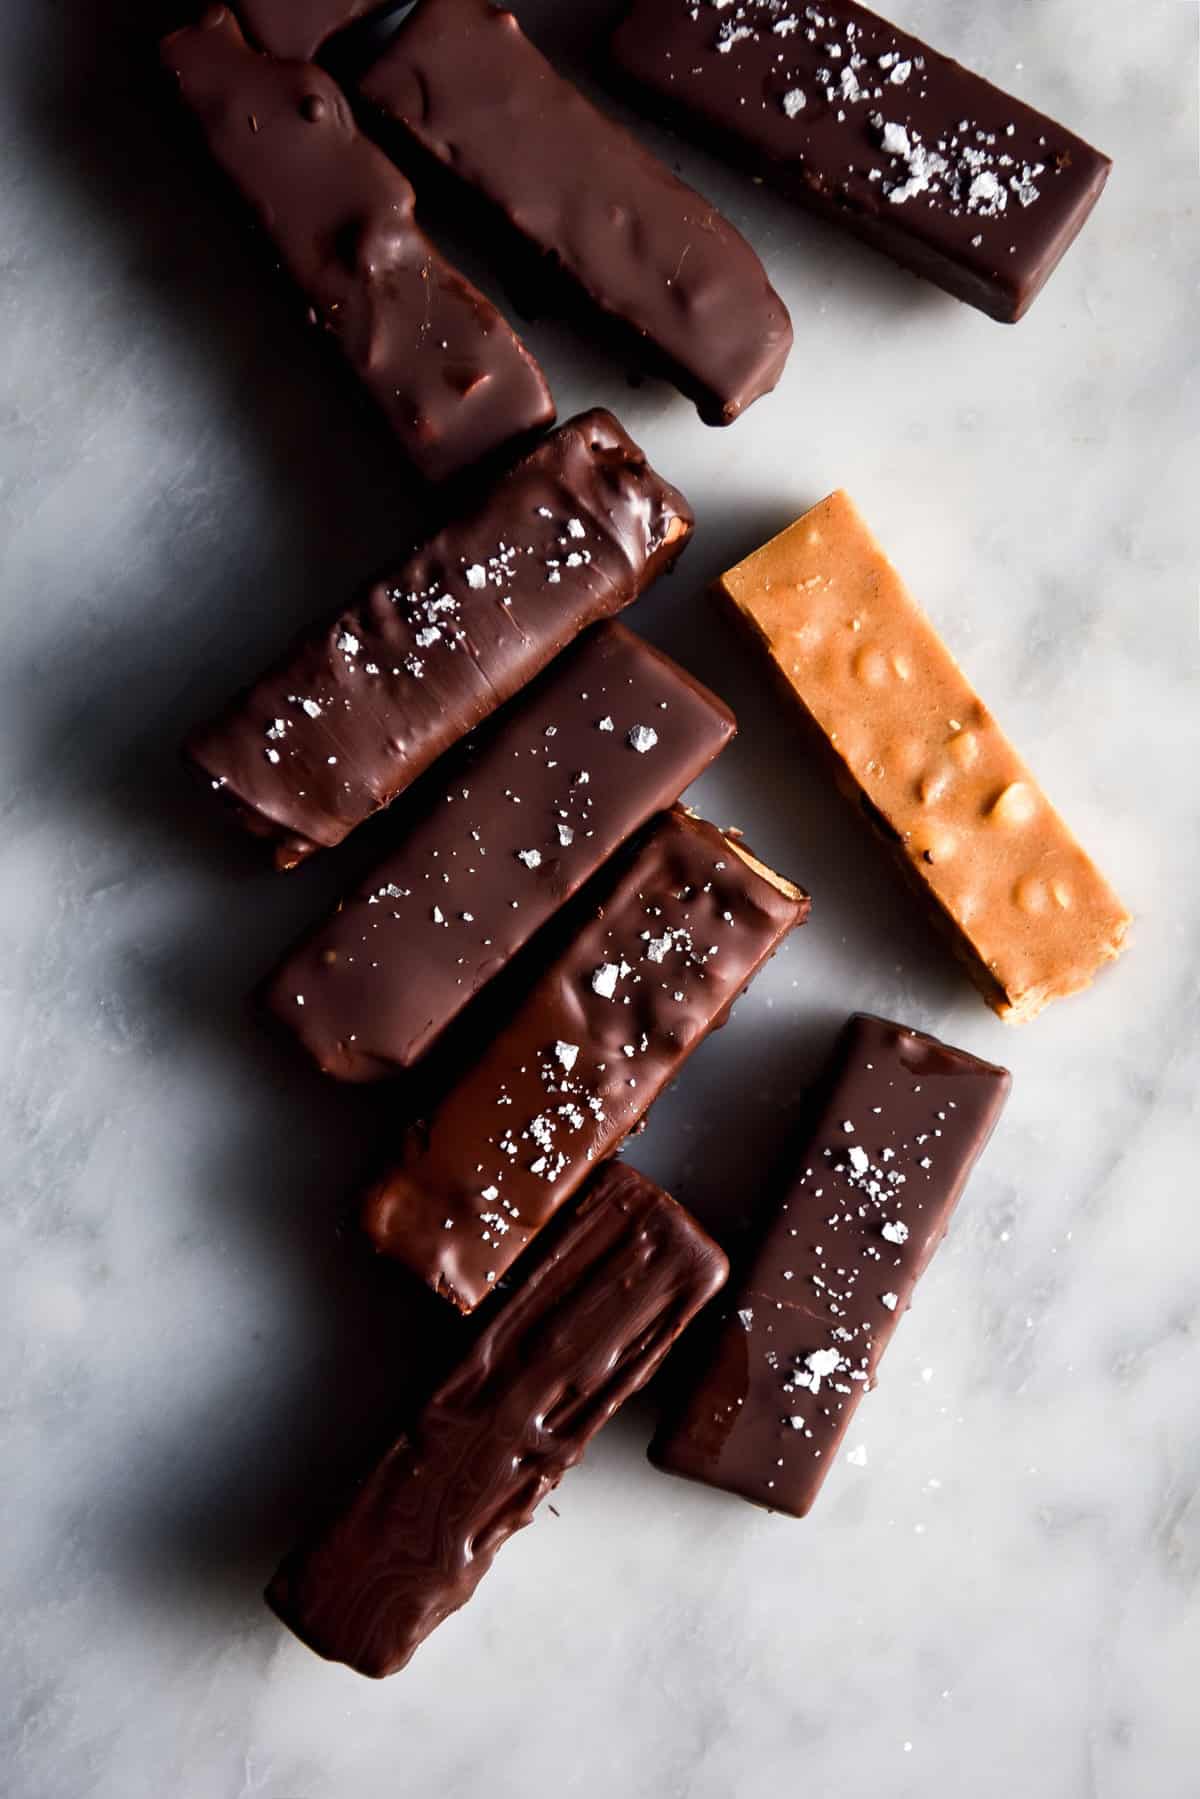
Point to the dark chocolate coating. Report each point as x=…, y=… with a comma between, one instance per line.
x=805, y=105
x=297, y=29
x=496, y=848
x=683, y=924
x=464, y=84
x=362, y=706
x=452, y=379
x=900, y=1123
x=586, y=1329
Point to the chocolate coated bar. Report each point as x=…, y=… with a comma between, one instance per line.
x=584, y=1331
x=868, y=126
x=497, y=847
x=681, y=926
x=361, y=707
x=901, y=1122
x=450, y=376
x=462, y=83
x=1027, y=911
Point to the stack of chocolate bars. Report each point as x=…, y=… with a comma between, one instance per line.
x=546, y=841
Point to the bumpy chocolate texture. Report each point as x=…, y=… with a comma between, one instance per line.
x=869, y=127
x=464, y=84
x=586, y=1329
x=450, y=376
x=685, y=921
x=901, y=1122
x=512, y=833
x=299, y=28
x=362, y=706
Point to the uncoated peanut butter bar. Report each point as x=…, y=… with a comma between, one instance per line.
x=1028, y=911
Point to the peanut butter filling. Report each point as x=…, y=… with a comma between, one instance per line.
x=1033, y=916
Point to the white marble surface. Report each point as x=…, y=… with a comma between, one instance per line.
x=1006, y=1599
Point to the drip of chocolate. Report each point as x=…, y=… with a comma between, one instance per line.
x=499, y=844
x=452, y=379
x=363, y=705
x=889, y=1144
x=674, y=935
x=587, y=1328
x=604, y=221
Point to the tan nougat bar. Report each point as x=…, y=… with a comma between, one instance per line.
x=1030, y=914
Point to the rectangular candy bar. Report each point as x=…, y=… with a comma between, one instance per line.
x=901, y=1122
x=587, y=1328
x=464, y=86
x=680, y=928
x=362, y=706
x=1027, y=911
x=450, y=376
x=298, y=29
x=496, y=849
x=871, y=128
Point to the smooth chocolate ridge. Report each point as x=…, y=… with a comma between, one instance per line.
x=359, y=708
x=509, y=835
x=869, y=127
x=892, y=1136
x=462, y=83
x=452, y=379
x=675, y=933
x=587, y=1328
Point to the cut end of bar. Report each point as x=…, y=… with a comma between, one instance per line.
x=1019, y=1008
x=781, y=884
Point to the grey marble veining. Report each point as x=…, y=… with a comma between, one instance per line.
x=1006, y=1599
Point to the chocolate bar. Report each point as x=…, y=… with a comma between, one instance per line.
x=449, y=375
x=498, y=846
x=675, y=934
x=1026, y=910
x=362, y=706
x=298, y=29
x=586, y=1329
x=462, y=84
x=901, y=1122
x=869, y=127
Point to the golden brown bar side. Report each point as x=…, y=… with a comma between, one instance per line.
x=1031, y=915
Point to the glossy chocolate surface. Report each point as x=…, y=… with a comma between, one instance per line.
x=497, y=847
x=679, y=930
x=299, y=28
x=867, y=125
x=450, y=376
x=897, y=1128
x=362, y=706
x=586, y=1329
x=464, y=84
